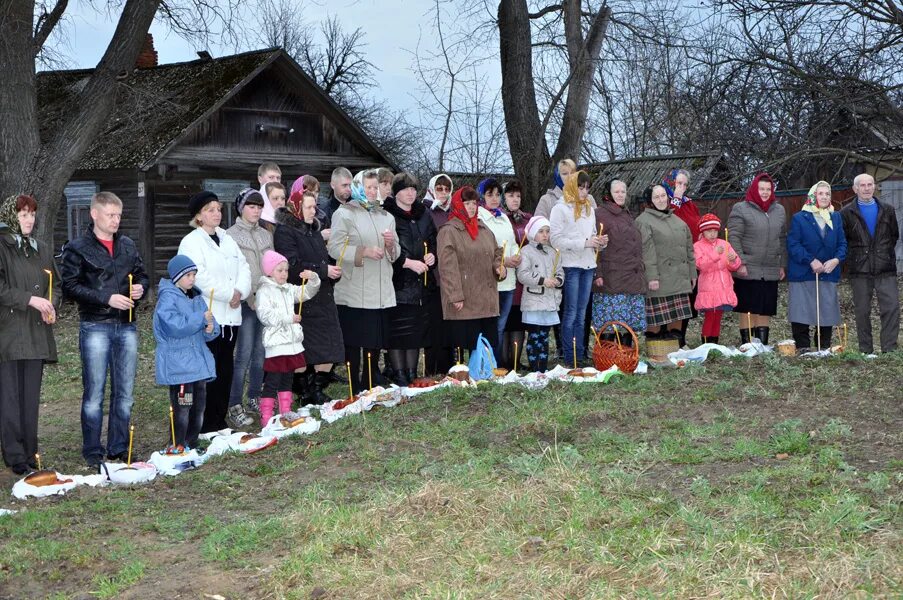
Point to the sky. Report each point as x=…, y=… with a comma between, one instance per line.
x=392, y=36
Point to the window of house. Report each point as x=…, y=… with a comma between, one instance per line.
x=226, y=190
x=78, y=196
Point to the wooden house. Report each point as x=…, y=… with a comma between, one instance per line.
x=204, y=124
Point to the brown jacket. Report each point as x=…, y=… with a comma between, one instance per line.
x=620, y=264
x=467, y=269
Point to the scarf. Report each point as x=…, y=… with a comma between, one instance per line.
x=669, y=182
x=517, y=217
x=752, y=192
x=9, y=216
x=559, y=182
x=572, y=196
x=357, y=193
x=298, y=185
x=431, y=193
x=811, y=205
x=459, y=211
x=293, y=205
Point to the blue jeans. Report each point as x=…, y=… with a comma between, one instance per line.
x=578, y=284
x=107, y=348
x=506, y=301
x=249, y=354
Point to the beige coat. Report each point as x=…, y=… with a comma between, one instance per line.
x=365, y=282
x=467, y=268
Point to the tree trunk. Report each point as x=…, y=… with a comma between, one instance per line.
x=529, y=152
x=43, y=167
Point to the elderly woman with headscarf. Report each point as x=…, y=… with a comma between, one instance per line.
x=620, y=285
x=757, y=230
x=670, y=265
x=515, y=331
x=438, y=358
x=816, y=245
x=26, y=334
x=437, y=198
x=364, y=244
x=495, y=219
x=575, y=237
x=676, y=183
x=470, y=266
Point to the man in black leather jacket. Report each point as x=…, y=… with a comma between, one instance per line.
x=103, y=272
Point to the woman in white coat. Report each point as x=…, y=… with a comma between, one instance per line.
x=224, y=275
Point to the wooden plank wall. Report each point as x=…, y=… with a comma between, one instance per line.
x=123, y=183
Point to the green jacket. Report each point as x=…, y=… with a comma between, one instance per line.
x=23, y=334
x=667, y=253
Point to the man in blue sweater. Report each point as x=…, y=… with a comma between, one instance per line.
x=872, y=231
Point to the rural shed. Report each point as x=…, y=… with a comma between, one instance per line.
x=204, y=124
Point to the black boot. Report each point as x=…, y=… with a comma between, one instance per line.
x=762, y=334
x=800, y=332
x=411, y=375
x=825, y=337
x=299, y=385
x=713, y=339
x=320, y=382
x=744, y=335
x=309, y=394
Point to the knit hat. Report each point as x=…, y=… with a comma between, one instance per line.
x=179, y=266
x=403, y=182
x=199, y=201
x=270, y=261
x=534, y=225
x=709, y=221
x=248, y=196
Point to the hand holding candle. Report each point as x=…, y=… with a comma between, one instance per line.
x=130, y=296
x=50, y=317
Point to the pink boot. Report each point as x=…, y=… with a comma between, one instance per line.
x=266, y=410
x=285, y=402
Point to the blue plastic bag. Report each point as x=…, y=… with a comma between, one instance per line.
x=482, y=360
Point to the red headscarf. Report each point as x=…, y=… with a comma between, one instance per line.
x=293, y=205
x=459, y=211
x=752, y=192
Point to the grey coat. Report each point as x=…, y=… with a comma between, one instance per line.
x=668, y=254
x=760, y=239
x=535, y=267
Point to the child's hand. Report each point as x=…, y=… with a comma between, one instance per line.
x=307, y=274
x=209, y=328
x=208, y=316
x=731, y=257
x=550, y=282
x=719, y=249
x=296, y=318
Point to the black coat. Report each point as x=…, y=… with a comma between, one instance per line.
x=413, y=230
x=23, y=333
x=305, y=248
x=868, y=256
x=91, y=276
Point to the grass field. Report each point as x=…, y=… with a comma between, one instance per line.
x=769, y=477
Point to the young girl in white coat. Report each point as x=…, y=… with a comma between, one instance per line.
x=282, y=334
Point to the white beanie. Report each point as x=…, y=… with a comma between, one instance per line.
x=534, y=225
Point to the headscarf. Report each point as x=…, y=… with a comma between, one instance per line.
x=357, y=192
x=294, y=203
x=669, y=182
x=431, y=191
x=9, y=216
x=459, y=211
x=518, y=215
x=572, y=196
x=481, y=190
x=559, y=182
x=299, y=184
x=811, y=204
x=606, y=191
x=752, y=192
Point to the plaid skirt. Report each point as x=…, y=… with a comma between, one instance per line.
x=667, y=309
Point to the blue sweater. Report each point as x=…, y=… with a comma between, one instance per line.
x=805, y=242
x=182, y=354
x=869, y=214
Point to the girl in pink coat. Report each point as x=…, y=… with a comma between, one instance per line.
x=716, y=260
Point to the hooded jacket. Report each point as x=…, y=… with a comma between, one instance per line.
x=537, y=262
x=276, y=310
x=221, y=268
x=181, y=354
x=569, y=235
x=716, y=286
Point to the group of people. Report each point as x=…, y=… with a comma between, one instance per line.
x=372, y=275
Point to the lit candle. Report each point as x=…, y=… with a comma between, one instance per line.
x=369, y=372
x=522, y=240
x=37, y=458
x=211, y=298
x=749, y=325
x=727, y=236
x=342, y=254
x=301, y=297
x=425, y=252
x=131, y=438
x=574, y=345
x=130, y=296
x=172, y=425
x=844, y=336
x=515, y=358
x=348, y=372
x=50, y=286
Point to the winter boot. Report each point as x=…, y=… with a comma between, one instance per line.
x=285, y=402
x=744, y=335
x=713, y=339
x=762, y=334
x=321, y=381
x=411, y=375
x=266, y=410
x=309, y=394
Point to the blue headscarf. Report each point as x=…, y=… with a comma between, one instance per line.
x=559, y=182
x=481, y=190
x=357, y=192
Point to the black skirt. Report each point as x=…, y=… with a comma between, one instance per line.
x=322, y=333
x=364, y=327
x=756, y=296
x=464, y=333
x=408, y=325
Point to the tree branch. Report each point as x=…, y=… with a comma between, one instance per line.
x=46, y=22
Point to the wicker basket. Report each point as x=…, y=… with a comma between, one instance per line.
x=658, y=350
x=607, y=353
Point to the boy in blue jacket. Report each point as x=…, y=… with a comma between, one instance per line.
x=182, y=326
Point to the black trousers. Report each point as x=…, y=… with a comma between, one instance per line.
x=188, y=402
x=223, y=350
x=20, y=394
x=273, y=383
